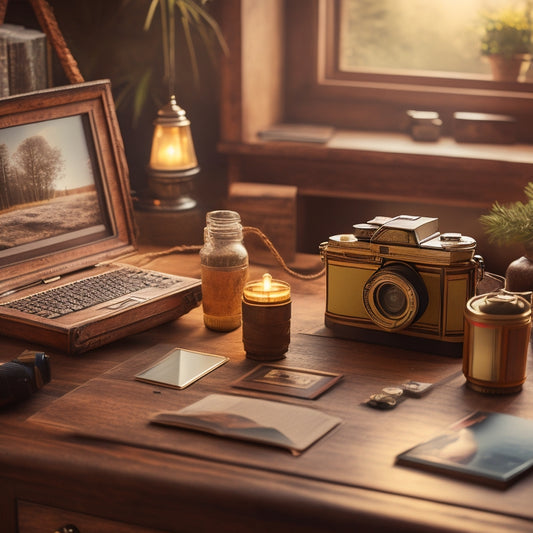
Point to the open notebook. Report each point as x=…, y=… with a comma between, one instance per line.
x=65, y=216
x=293, y=427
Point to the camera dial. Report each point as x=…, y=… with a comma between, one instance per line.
x=395, y=296
x=456, y=240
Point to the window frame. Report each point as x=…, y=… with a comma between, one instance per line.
x=315, y=89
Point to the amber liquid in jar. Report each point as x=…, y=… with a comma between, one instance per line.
x=221, y=297
x=224, y=268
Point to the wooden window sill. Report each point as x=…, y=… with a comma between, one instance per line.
x=388, y=166
x=350, y=144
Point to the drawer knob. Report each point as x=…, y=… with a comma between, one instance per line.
x=69, y=528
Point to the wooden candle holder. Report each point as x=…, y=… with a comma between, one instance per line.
x=266, y=319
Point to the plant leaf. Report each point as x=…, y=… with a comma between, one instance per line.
x=141, y=95
x=150, y=14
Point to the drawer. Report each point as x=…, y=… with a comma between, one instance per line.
x=33, y=517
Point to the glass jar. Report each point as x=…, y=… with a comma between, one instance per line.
x=224, y=267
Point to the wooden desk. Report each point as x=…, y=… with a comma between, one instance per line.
x=116, y=473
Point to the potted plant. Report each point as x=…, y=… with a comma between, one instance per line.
x=513, y=224
x=506, y=42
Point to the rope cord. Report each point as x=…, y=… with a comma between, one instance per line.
x=247, y=230
x=268, y=243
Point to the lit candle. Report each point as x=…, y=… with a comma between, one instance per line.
x=267, y=291
x=266, y=317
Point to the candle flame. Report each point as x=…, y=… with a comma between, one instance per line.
x=267, y=282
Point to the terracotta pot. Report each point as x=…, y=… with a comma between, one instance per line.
x=505, y=68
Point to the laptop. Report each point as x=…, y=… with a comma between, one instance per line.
x=66, y=220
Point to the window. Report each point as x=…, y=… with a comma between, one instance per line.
x=403, y=35
x=376, y=95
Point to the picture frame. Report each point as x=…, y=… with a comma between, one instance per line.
x=289, y=381
x=91, y=104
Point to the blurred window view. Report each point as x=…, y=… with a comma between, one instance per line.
x=439, y=36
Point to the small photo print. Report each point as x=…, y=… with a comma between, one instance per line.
x=289, y=378
x=298, y=382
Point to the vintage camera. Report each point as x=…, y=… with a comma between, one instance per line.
x=20, y=378
x=398, y=281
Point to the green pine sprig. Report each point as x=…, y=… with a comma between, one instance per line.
x=513, y=223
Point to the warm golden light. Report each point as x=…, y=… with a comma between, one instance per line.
x=267, y=282
x=172, y=148
x=267, y=291
x=173, y=164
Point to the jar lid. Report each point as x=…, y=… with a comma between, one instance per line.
x=503, y=303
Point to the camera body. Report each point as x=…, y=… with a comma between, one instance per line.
x=398, y=281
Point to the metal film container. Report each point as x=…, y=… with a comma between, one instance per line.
x=497, y=332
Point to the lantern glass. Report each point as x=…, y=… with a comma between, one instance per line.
x=172, y=147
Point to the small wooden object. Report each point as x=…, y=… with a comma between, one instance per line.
x=484, y=128
x=424, y=125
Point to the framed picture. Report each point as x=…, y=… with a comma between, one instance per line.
x=65, y=182
x=298, y=382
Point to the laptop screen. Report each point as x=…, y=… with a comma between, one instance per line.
x=65, y=202
x=50, y=193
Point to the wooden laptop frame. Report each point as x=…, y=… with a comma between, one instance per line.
x=93, y=99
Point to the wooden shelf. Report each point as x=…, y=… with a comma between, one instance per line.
x=388, y=167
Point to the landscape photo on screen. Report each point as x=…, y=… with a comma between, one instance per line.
x=48, y=184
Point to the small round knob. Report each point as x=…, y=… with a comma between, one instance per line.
x=69, y=528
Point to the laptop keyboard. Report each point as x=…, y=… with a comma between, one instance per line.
x=87, y=292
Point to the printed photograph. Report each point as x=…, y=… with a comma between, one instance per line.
x=298, y=382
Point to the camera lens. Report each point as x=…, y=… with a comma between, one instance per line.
x=395, y=296
x=391, y=299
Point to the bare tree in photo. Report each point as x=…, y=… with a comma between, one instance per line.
x=5, y=197
x=39, y=165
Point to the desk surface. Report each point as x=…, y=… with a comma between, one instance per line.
x=97, y=454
